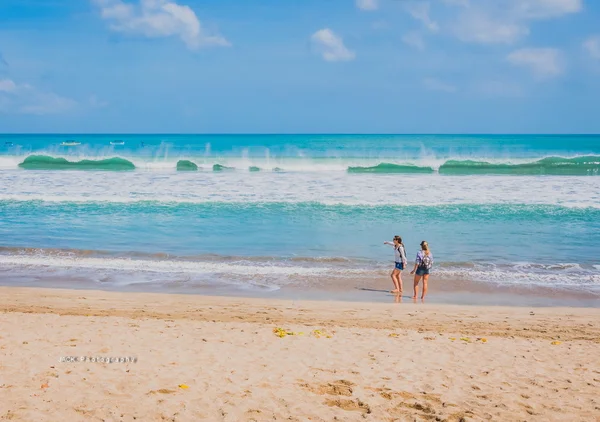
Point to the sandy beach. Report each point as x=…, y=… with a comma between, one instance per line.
x=222, y=358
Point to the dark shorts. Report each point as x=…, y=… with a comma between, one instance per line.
x=399, y=266
x=422, y=271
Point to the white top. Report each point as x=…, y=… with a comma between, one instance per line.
x=399, y=253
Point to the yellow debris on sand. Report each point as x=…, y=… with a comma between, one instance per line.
x=321, y=333
x=281, y=332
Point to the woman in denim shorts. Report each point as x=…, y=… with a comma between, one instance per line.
x=399, y=263
x=423, y=265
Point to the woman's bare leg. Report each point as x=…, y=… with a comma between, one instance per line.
x=395, y=281
x=416, y=287
x=425, y=280
x=399, y=278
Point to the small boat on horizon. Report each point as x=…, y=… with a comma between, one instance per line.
x=117, y=142
x=70, y=143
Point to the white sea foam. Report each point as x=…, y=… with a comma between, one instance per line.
x=525, y=278
x=10, y=162
x=159, y=266
x=126, y=271
x=326, y=188
x=568, y=274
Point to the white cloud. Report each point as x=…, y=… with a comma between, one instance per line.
x=367, y=4
x=331, y=46
x=491, y=21
x=158, y=18
x=477, y=27
x=414, y=39
x=25, y=99
x=420, y=12
x=433, y=84
x=592, y=46
x=543, y=62
x=6, y=85
x=546, y=9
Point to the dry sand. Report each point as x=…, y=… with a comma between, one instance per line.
x=218, y=359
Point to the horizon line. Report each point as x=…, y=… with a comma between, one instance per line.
x=303, y=133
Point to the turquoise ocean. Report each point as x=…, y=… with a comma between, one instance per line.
x=267, y=212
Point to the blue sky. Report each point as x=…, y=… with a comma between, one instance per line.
x=300, y=66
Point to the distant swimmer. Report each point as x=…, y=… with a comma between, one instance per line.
x=399, y=263
x=423, y=265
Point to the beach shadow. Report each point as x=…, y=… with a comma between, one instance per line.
x=372, y=290
x=396, y=297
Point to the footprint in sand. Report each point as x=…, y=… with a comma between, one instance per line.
x=335, y=388
x=350, y=405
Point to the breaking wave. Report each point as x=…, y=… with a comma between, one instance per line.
x=558, y=166
x=391, y=168
x=44, y=162
x=577, y=166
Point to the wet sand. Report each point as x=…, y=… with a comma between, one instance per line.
x=373, y=289
x=218, y=358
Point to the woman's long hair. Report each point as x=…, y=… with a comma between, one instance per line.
x=399, y=240
x=425, y=247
